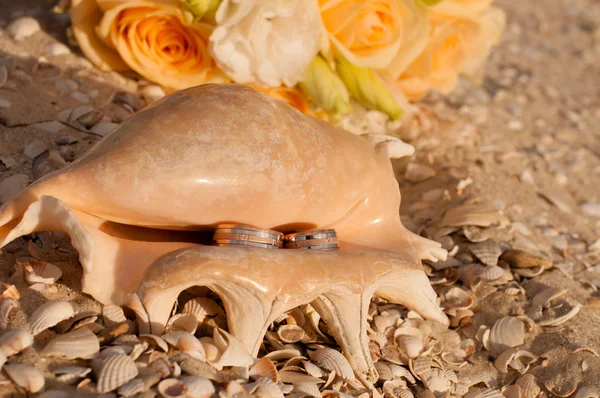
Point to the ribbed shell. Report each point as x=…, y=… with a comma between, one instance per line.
x=333, y=361
x=116, y=371
x=50, y=314
x=487, y=252
x=80, y=343
x=264, y=367
x=310, y=389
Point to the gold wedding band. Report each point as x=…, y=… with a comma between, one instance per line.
x=321, y=239
x=243, y=235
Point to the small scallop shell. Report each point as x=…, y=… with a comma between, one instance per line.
x=116, y=350
x=201, y=307
x=172, y=388
x=290, y=333
x=6, y=307
x=41, y=272
x=491, y=273
x=264, y=367
x=132, y=387
x=187, y=343
x=528, y=385
x=49, y=314
x=310, y=389
x=15, y=341
x=333, y=361
x=116, y=371
x=198, y=387
x=112, y=314
x=487, y=252
x=80, y=343
x=396, y=389
x=264, y=388
x=9, y=291
x=506, y=333
x=384, y=371
x=25, y=376
x=420, y=367
x=458, y=298
x=183, y=322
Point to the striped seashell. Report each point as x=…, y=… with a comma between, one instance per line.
x=187, y=343
x=182, y=323
x=9, y=291
x=172, y=388
x=15, y=341
x=313, y=369
x=50, y=314
x=264, y=388
x=436, y=381
x=563, y=318
x=396, y=389
x=290, y=333
x=506, y=333
x=488, y=252
x=384, y=371
x=116, y=350
x=492, y=273
x=71, y=374
x=80, y=343
x=298, y=378
x=132, y=387
x=202, y=307
x=264, y=367
x=6, y=307
x=332, y=361
x=420, y=367
x=198, y=387
x=112, y=314
x=116, y=370
x=528, y=385
x=25, y=376
x=41, y=272
x=307, y=389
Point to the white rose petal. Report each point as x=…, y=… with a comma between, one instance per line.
x=266, y=42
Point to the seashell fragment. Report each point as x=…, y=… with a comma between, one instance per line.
x=264, y=388
x=80, y=343
x=198, y=387
x=333, y=361
x=542, y=300
x=307, y=389
x=12, y=185
x=172, y=388
x=56, y=48
x=41, y=272
x=25, y=376
x=489, y=274
x=187, y=343
x=6, y=307
x=103, y=128
x=521, y=259
x=528, y=385
x=183, y=322
x=34, y=149
x=487, y=252
x=507, y=332
x=15, y=341
x=23, y=27
x=264, y=367
x=112, y=314
x=202, y=307
x=116, y=371
x=290, y=333
x=475, y=215
x=132, y=387
x=50, y=314
x=9, y=291
x=232, y=351
x=410, y=345
x=563, y=318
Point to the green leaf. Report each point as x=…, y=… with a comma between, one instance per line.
x=430, y=3
x=202, y=9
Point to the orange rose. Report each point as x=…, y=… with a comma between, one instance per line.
x=292, y=96
x=460, y=40
x=154, y=38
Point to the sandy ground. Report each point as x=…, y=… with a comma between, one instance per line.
x=524, y=142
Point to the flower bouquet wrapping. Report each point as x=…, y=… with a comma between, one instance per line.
x=324, y=57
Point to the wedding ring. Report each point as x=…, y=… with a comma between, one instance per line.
x=243, y=235
x=321, y=239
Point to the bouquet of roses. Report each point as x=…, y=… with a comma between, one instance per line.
x=321, y=56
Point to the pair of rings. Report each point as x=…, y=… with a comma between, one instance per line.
x=242, y=235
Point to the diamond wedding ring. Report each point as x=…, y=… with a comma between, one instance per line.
x=242, y=235
x=322, y=239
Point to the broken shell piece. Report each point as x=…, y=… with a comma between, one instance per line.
x=563, y=318
x=528, y=385
x=116, y=370
x=507, y=332
x=25, y=376
x=112, y=314
x=80, y=343
x=542, y=300
x=264, y=367
x=515, y=358
x=489, y=274
x=23, y=27
x=198, y=387
x=172, y=388
x=410, y=345
x=15, y=341
x=11, y=186
x=9, y=291
x=521, y=259
x=416, y=173
x=41, y=272
x=487, y=252
x=396, y=389
x=155, y=341
x=333, y=361
x=187, y=343
x=307, y=389
x=6, y=307
x=183, y=322
x=50, y=314
x=476, y=215
x=290, y=333
x=233, y=353
x=476, y=234
x=132, y=387
x=201, y=307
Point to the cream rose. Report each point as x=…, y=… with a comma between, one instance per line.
x=266, y=42
x=377, y=33
x=154, y=38
x=461, y=37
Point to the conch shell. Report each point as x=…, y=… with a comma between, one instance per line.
x=208, y=155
